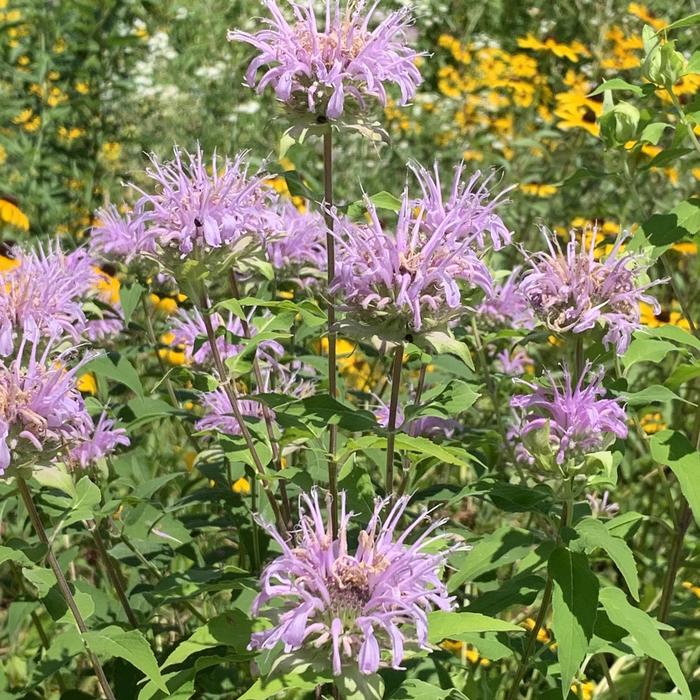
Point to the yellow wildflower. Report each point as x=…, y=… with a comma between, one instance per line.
x=241, y=486
x=695, y=590
x=11, y=214
x=111, y=150
x=543, y=635
x=107, y=286
x=652, y=423
x=638, y=10
x=164, y=305
x=82, y=87
x=465, y=651
x=188, y=458
x=87, y=384
x=538, y=190
x=667, y=316
x=584, y=689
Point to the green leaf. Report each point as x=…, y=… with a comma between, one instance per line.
x=647, y=350
x=450, y=625
x=644, y=632
x=129, y=298
x=445, y=342
x=15, y=555
x=117, y=367
x=616, y=84
x=688, y=21
x=414, y=689
x=129, y=645
x=681, y=374
x=653, y=132
x=230, y=629
x=55, y=478
x=266, y=689
x=574, y=607
x=650, y=394
x=675, y=450
x=381, y=200
x=424, y=446
x=504, y=546
x=693, y=64
x=593, y=534
x=669, y=332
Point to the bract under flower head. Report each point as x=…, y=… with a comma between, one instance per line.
x=570, y=291
x=575, y=419
x=315, y=67
x=361, y=608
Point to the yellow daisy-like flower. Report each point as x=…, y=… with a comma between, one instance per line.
x=7, y=264
x=111, y=150
x=12, y=215
x=538, y=190
x=241, y=486
x=669, y=316
x=164, y=305
x=172, y=357
x=584, y=689
x=695, y=590
x=87, y=384
x=543, y=635
x=652, y=423
x=82, y=87
x=107, y=287
x=465, y=651
x=638, y=10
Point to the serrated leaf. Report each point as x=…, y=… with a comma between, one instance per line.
x=674, y=450
x=642, y=628
x=15, y=555
x=129, y=645
x=650, y=394
x=647, y=350
x=450, y=625
x=574, y=607
x=593, y=534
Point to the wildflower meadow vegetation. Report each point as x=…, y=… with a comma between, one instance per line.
x=349, y=350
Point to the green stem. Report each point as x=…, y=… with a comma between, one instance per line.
x=684, y=119
x=330, y=260
x=393, y=409
x=566, y=519
x=63, y=586
x=229, y=388
x=113, y=573
x=267, y=416
x=406, y=462
x=154, y=342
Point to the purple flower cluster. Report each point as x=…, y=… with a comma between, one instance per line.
x=408, y=280
x=300, y=248
x=194, y=205
x=43, y=294
x=314, y=67
x=425, y=426
x=571, y=291
x=506, y=305
x=574, y=418
x=353, y=604
x=41, y=410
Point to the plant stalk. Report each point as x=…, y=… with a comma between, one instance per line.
x=63, y=586
x=330, y=263
x=393, y=410
x=229, y=388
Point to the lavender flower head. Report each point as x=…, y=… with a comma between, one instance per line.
x=315, y=69
x=601, y=506
x=94, y=441
x=192, y=208
x=425, y=426
x=121, y=237
x=567, y=420
x=405, y=281
x=571, y=291
x=40, y=406
x=361, y=608
x=477, y=217
x=300, y=248
x=506, y=306
x=42, y=296
x=188, y=327
x=513, y=362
